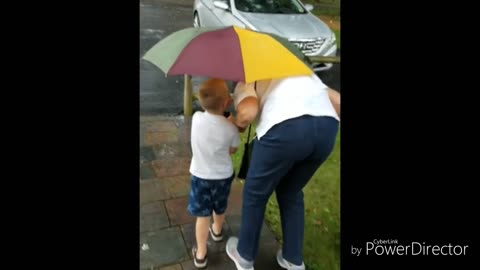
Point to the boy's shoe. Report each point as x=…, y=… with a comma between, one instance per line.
x=286, y=264
x=199, y=264
x=216, y=237
x=232, y=252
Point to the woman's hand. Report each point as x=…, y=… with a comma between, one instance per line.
x=241, y=130
x=232, y=119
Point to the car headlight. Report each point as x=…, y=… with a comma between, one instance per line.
x=333, y=37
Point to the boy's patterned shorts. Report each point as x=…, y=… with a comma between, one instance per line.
x=209, y=195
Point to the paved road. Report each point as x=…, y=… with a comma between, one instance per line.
x=164, y=95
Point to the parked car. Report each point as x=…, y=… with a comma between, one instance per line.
x=287, y=18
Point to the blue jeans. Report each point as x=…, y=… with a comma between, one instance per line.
x=284, y=160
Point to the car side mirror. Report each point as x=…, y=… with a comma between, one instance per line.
x=309, y=7
x=221, y=5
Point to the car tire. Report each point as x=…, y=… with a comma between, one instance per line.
x=196, y=20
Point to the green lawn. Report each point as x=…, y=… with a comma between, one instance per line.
x=337, y=34
x=330, y=9
x=322, y=213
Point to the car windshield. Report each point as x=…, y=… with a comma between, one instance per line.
x=270, y=6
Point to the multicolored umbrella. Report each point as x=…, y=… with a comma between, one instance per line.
x=229, y=53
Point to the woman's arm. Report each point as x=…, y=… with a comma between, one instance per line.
x=335, y=100
x=247, y=111
x=246, y=105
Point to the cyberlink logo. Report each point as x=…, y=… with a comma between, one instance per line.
x=391, y=247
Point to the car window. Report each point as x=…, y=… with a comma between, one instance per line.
x=270, y=6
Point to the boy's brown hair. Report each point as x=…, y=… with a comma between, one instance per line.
x=212, y=94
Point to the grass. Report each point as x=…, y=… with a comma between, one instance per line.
x=328, y=9
x=337, y=34
x=322, y=212
x=333, y=12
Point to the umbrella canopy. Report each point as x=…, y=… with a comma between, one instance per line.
x=229, y=53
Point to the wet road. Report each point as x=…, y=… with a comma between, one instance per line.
x=164, y=95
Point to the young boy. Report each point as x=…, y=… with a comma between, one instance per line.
x=214, y=138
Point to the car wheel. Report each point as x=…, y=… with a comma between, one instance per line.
x=196, y=20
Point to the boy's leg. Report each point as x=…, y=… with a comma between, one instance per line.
x=201, y=234
x=220, y=202
x=200, y=206
x=218, y=223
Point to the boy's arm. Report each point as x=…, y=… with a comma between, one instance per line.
x=233, y=150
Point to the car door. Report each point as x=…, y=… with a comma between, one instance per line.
x=224, y=17
x=205, y=13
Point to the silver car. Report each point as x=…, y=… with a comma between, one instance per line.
x=288, y=18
